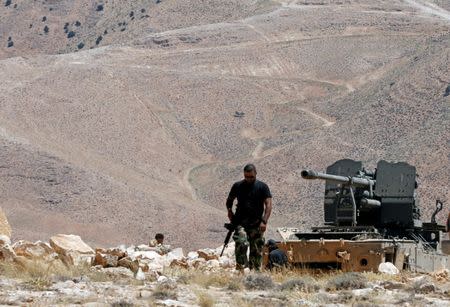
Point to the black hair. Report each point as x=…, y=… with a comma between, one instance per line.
x=159, y=236
x=249, y=168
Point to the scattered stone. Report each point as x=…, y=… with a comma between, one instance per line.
x=214, y=263
x=4, y=240
x=426, y=288
x=140, y=275
x=192, y=255
x=72, y=249
x=106, y=260
x=388, y=268
x=118, y=272
x=207, y=254
x=441, y=275
x=197, y=263
x=162, y=279
x=33, y=250
x=179, y=263
x=7, y=253
x=225, y=262
x=132, y=265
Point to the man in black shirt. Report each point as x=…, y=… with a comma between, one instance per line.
x=254, y=205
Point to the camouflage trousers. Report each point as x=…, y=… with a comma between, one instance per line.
x=245, y=238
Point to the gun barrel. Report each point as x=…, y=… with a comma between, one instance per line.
x=356, y=181
x=370, y=203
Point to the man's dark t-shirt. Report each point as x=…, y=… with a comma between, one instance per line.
x=250, y=197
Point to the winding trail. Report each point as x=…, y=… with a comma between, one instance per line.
x=430, y=8
x=326, y=122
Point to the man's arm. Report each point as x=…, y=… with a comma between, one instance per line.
x=230, y=208
x=229, y=203
x=267, y=211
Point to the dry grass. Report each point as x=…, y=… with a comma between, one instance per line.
x=41, y=274
x=206, y=280
x=162, y=292
x=122, y=304
x=302, y=284
x=204, y=299
x=403, y=276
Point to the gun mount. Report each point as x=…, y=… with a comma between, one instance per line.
x=369, y=217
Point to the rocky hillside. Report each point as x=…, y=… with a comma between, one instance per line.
x=139, y=134
x=53, y=27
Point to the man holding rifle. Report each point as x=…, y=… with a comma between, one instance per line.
x=253, y=208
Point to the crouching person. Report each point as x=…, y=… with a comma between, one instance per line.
x=277, y=257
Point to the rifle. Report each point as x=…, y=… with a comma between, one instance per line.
x=231, y=227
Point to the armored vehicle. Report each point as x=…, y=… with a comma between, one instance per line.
x=370, y=217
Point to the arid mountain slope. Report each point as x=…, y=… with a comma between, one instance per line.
x=140, y=136
x=64, y=26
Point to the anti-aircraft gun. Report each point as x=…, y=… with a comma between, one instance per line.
x=370, y=217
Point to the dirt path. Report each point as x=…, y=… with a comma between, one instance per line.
x=430, y=8
x=325, y=121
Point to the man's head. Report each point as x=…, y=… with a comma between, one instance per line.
x=249, y=173
x=272, y=245
x=159, y=237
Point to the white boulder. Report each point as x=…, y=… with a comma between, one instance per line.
x=140, y=275
x=4, y=240
x=388, y=268
x=192, y=255
x=72, y=249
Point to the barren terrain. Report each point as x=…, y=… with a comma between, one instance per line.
x=135, y=133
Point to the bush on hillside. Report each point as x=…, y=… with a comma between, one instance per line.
x=258, y=281
x=351, y=280
x=305, y=284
